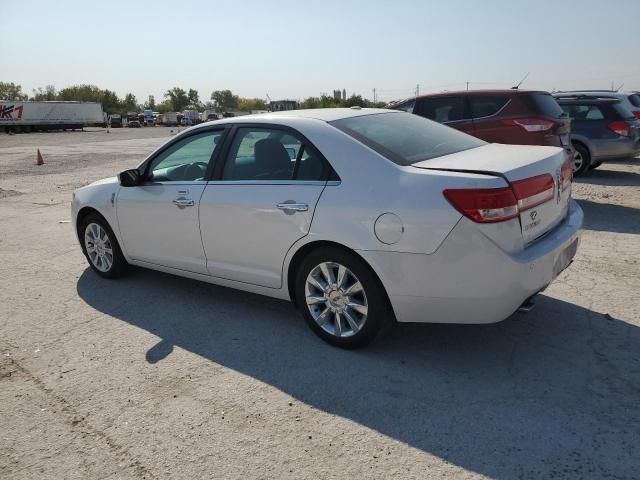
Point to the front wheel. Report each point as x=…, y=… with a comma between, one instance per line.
x=100, y=246
x=581, y=159
x=341, y=298
x=595, y=165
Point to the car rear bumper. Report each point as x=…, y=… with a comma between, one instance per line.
x=469, y=279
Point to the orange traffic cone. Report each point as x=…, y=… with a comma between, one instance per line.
x=40, y=159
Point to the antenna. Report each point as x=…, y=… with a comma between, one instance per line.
x=621, y=85
x=521, y=82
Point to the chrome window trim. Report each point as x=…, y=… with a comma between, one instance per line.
x=487, y=116
x=272, y=182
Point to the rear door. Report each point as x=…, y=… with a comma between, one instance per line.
x=452, y=111
x=261, y=202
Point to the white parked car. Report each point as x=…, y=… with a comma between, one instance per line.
x=362, y=217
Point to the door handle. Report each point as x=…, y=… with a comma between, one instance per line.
x=184, y=202
x=293, y=207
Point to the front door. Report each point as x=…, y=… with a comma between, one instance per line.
x=260, y=205
x=158, y=220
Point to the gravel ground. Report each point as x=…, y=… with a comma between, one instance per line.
x=159, y=377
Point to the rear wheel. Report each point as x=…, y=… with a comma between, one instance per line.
x=100, y=246
x=341, y=298
x=581, y=159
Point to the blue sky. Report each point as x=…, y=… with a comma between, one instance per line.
x=294, y=49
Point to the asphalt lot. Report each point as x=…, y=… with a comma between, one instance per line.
x=154, y=376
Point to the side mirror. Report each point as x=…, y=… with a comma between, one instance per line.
x=130, y=178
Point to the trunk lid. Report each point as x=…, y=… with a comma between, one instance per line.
x=516, y=163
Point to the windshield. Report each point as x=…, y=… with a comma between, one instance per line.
x=405, y=138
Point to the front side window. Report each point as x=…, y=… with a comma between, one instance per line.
x=185, y=160
x=406, y=139
x=441, y=109
x=269, y=154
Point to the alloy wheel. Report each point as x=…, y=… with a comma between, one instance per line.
x=336, y=299
x=98, y=246
x=578, y=160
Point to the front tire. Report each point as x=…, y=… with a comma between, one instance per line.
x=595, y=165
x=341, y=298
x=581, y=159
x=100, y=247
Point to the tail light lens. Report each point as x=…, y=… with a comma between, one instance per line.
x=484, y=205
x=620, y=127
x=636, y=113
x=490, y=205
x=533, y=191
x=566, y=174
x=531, y=124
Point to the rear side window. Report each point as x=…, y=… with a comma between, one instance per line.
x=486, y=105
x=635, y=99
x=622, y=111
x=545, y=104
x=406, y=139
x=441, y=109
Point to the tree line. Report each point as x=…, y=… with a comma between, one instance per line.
x=175, y=99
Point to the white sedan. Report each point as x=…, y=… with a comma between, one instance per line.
x=361, y=217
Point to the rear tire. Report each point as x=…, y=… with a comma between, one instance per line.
x=341, y=298
x=581, y=159
x=100, y=247
x=595, y=165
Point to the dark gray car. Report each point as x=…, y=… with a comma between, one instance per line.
x=601, y=129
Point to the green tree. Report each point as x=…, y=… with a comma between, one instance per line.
x=129, y=104
x=224, y=100
x=249, y=104
x=47, y=94
x=177, y=99
x=11, y=91
x=193, y=96
x=356, y=101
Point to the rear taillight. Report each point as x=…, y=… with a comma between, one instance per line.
x=534, y=191
x=484, y=205
x=566, y=174
x=620, y=127
x=636, y=113
x=531, y=124
x=490, y=205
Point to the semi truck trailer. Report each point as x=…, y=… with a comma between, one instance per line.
x=25, y=116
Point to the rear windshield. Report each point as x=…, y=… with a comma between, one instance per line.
x=546, y=105
x=635, y=99
x=404, y=138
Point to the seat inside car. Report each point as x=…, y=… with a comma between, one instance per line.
x=272, y=159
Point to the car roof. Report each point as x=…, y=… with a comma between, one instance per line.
x=504, y=91
x=323, y=114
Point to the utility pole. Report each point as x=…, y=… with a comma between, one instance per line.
x=418, y=90
x=374, y=96
x=467, y=85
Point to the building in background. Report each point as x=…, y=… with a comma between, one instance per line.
x=283, y=105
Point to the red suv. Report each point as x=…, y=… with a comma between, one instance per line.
x=497, y=116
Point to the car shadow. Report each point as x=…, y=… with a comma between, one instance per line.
x=604, y=176
x=608, y=217
x=552, y=393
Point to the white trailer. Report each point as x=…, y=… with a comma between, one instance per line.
x=170, y=119
x=27, y=116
